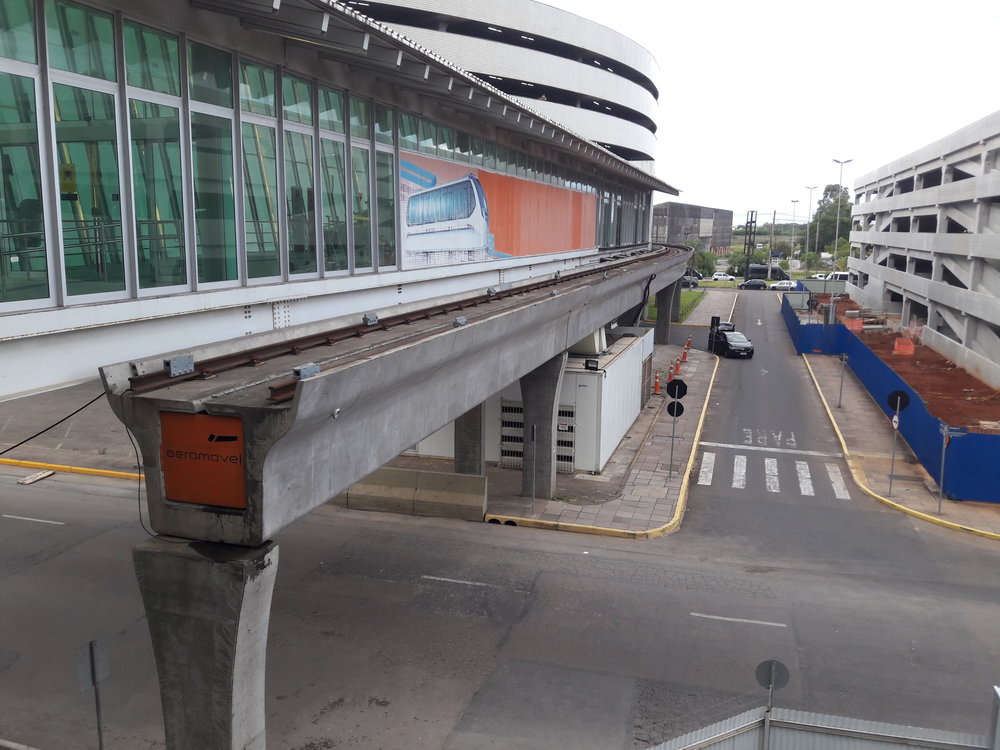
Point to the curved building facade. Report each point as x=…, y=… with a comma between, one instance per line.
x=592, y=79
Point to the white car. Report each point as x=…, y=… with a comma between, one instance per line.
x=785, y=285
x=818, y=276
x=722, y=277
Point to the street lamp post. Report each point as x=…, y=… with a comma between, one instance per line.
x=810, y=189
x=794, y=201
x=840, y=189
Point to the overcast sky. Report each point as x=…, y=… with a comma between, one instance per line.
x=758, y=98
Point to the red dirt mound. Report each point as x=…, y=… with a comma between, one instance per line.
x=950, y=393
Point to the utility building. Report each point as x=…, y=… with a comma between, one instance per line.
x=684, y=223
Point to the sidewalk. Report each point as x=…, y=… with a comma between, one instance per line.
x=641, y=493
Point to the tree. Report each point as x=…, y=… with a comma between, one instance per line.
x=737, y=259
x=823, y=227
x=810, y=261
x=704, y=262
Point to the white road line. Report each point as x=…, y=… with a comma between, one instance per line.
x=805, y=480
x=707, y=468
x=740, y=619
x=771, y=474
x=739, y=472
x=458, y=580
x=735, y=446
x=35, y=520
x=837, y=480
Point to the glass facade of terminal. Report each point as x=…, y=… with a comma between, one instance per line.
x=136, y=162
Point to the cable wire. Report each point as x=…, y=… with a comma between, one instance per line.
x=54, y=424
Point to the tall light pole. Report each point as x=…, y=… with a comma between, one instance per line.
x=840, y=190
x=810, y=188
x=794, y=201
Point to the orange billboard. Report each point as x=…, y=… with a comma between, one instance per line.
x=202, y=459
x=453, y=213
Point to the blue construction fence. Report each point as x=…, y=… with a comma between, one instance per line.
x=971, y=468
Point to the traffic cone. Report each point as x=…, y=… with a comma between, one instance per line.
x=656, y=384
x=677, y=366
x=688, y=344
x=670, y=374
x=684, y=354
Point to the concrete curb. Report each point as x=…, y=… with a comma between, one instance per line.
x=668, y=528
x=70, y=470
x=858, y=475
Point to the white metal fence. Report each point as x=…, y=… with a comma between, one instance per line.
x=785, y=729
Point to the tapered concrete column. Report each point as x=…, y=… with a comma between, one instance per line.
x=667, y=304
x=208, y=607
x=540, y=401
x=469, y=456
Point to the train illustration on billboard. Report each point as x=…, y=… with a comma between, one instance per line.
x=450, y=213
x=452, y=217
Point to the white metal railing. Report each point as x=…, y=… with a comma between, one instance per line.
x=786, y=729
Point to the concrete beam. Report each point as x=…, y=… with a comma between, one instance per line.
x=540, y=404
x=208, y=608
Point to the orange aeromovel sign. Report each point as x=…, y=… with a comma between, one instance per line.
x=202, y=459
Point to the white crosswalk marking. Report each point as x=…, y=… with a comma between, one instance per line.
x=837, y=480
x=771, y=474
x=805, y=480
x=739, y=472
x=707, y=468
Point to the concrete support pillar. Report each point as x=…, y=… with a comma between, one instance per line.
x=667, y=304
x=208, y=607
x=469, y=454
x=540, y=401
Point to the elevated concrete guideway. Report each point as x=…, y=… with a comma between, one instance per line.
x=232, y=456
x=373, y=397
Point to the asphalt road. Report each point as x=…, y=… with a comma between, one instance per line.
x=396, y=632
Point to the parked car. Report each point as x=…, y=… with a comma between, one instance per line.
x=689, y=281
x=722, y=277
x=733, y=344
x=785, y=286
x=715, y=332
x=838, y=276
x=818, y=276
x=693, y=272
x=754, y=284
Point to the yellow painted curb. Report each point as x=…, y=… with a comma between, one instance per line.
x=70, y=469
x=859, y=480
x=669, y=527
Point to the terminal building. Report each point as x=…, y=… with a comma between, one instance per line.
x=173, y=174
x=925, y=245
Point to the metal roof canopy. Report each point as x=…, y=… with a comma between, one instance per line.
x=342, y=34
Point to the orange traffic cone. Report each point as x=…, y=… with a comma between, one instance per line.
x=688, y=344
x=656, y=384
x=684, y=354
x=677, y=366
